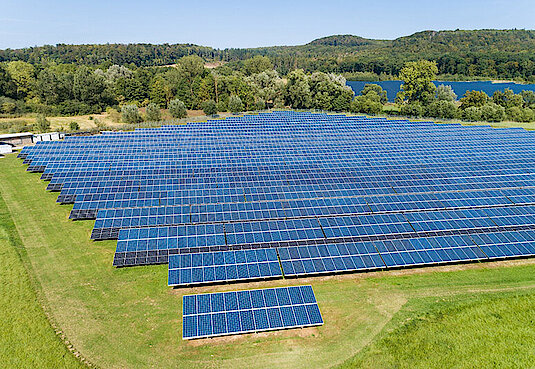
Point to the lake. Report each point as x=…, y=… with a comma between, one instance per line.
x=393, y=87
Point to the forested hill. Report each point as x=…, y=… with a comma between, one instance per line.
x=490, y=53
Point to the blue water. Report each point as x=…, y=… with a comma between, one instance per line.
x=393, y=87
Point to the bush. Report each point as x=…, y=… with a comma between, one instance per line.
x=520, y=115
x=411, y=110
x=260, y=104
x=130, y=114
x=471, y=114
x=114, y=115
x=235, y=105
x=492, y=112
x=209, y=107
x=222, y=106
x=41, y=123
x=73, y=107
x=445, y=93
x=177, y=109
x=74, y=126
x=153, y=113
x=442, y=109
x=367, y=104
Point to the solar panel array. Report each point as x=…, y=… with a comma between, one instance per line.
x=288, y=193
x=223, y=313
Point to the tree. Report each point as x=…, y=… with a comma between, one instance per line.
x=74, y=126
x=209, y=107
x=89, y=87
x=442, y=109
x=41, y=123
x=471, y=114
x=520, y=114
x=474, y=99
x=297, y=92
x=23, y=75
x=260, y=104
x=414, y=109
x=367, y=104
x=160, y=93
x=371, y=87
x=177, y=109
x=507, y=98
x=235, y=104
x=417, y=80
x=445, y=93
x=7, y=86
x=153, y=112
x=257, y=64
x=529, y=98
x=189, y=68
x=130, y=114
x=492, y=112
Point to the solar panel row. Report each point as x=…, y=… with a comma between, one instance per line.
x=216, y=314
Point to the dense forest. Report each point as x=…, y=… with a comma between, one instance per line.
x=495, y=54
x=66, y=80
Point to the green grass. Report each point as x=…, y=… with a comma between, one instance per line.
x=26, y=338
x=128, y=317
x=479, y=331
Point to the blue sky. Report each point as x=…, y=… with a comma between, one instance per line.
x=231, y=23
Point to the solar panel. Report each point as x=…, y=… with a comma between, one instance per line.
x=238, y=312
x=328, y=193
x=210, y=267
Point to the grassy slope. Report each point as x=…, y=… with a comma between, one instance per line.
x=130, y=318
x=26, y=338
x=481, y=331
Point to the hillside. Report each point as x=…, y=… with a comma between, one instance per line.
x=490, y=53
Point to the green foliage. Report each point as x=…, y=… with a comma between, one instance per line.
x=492, y=112
x=414, y=109
x=260, y=104
x=209, y=107
x=23, y=76
x=297, y=91
x=235, y=104
x=417, y=80
x=74, y=126
x=153, y=113
x=369, y=103
x=370, y=87
x=160, y=92
x=257, y=64
x=507, y=99
x=445, y=109
x=471, y=114
x=445, y=93
x=518, y=114
x=41, y=123
x=177, y=109
x=130, y=114
x=474, y=99
x=222, y=105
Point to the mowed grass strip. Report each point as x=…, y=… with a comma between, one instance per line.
x=129, y=317
x=26, y=338
x=477, y=331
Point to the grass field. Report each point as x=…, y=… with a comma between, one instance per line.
x=472, y=315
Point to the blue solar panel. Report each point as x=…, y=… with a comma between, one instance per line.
x=238, y=312
x=210, y=267
x=399, y=192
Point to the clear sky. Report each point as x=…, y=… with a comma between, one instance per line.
x=231, y=23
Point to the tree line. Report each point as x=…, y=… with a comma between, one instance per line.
x=68, y=89
x=494, y=54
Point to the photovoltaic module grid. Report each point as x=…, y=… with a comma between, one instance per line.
x=289, y=194
x=235, y=312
